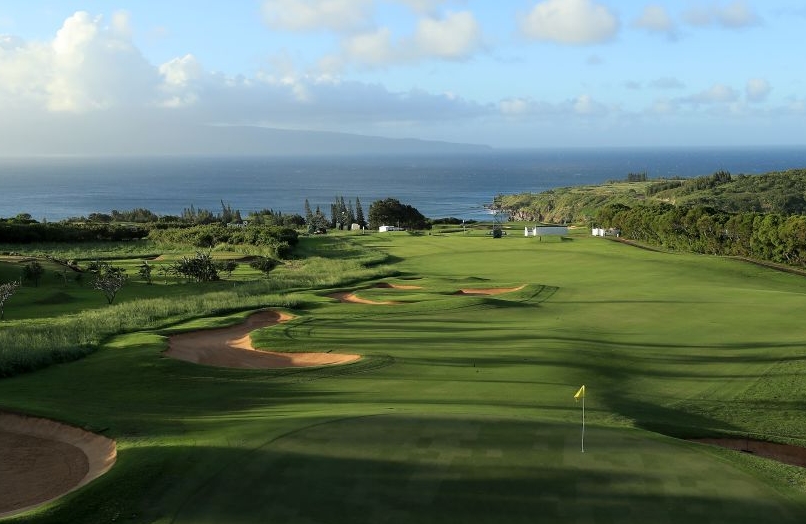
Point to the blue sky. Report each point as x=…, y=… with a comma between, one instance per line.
x=510, y=73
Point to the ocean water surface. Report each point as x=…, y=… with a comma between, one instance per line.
x=54, y=188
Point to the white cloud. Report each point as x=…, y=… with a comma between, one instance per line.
x=86, y=67
x=11, y=42
x=735, y=15
x=121, y=25
x=757, y=90
x=315, y=15
x=423, y=6
x=796, y=106
x=374, y=49
x=455, y=37
x=570, y=22
x=583, y=106
x=89, y=88
x=24, y=73
x=655, y=19
x=179, y=75
x=179, y=72
x=667, y=82
x=663, y=107
x=716, y=94
x=515, y=106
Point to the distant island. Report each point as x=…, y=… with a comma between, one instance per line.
x=180, y=139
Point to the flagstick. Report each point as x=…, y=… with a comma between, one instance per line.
x=583, y=423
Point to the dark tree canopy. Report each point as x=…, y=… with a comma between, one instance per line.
x=108, y=279
x=264, y=264
x=33, y=271
x=390, y=212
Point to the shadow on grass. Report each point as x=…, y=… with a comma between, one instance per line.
x=426, y=469
x=405, y=469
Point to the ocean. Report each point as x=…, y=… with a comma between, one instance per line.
x=55, y=188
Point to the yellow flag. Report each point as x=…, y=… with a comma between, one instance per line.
x=580, y=394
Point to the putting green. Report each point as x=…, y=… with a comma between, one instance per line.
x=410, y=468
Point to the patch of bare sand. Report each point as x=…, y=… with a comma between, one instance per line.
x=352, y=298
x=788, y=454
x=490, y=291
x=388, y=285
x=41, y=460
x=231, y=347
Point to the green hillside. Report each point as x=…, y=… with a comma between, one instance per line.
x=778, y=192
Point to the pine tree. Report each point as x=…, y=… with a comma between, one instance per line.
x=308, y=213
x=342, y=210
x=319, y=219
x=359, y=213
x=350, y=214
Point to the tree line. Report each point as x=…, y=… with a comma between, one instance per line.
x=204, y=228
x=343, y=214
x=772, y=237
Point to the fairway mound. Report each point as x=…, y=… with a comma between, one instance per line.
x=388, y=285
x=351, y=298
x=788, y=454
x=231, y=347
x=41, y=460
x=490, y=291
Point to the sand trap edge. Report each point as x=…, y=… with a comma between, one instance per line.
x=101, y=452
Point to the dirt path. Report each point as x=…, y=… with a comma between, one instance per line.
x=41, y=460
x=794, y=455
x=231, y=347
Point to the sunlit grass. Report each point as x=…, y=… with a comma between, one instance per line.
x=461, y=408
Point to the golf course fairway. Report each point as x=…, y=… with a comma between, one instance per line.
x=461, y=407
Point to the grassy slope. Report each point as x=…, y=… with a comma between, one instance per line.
x=572, y=204
x=463, y=411
x=777, y=192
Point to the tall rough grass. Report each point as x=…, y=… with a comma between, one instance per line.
x=26, y=347
x=35, y=344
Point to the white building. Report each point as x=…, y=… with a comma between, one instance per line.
x=609, y=232
x=540, y=231
x=384, y=229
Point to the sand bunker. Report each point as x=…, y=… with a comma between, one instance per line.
x=41, y=460
x=352, y=298
x=794, y=455
x=490, y=291
x=231, y=347
x=387, y=285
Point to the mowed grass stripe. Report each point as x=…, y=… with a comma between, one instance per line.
x=471, y=417
x=404, y=468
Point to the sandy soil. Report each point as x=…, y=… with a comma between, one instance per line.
x=387, y=285
x=785, y=453
x=490, y=291
x=232, y=347
x=41, y=460
x=352, y=298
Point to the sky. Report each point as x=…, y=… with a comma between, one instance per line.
x=105, y=75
